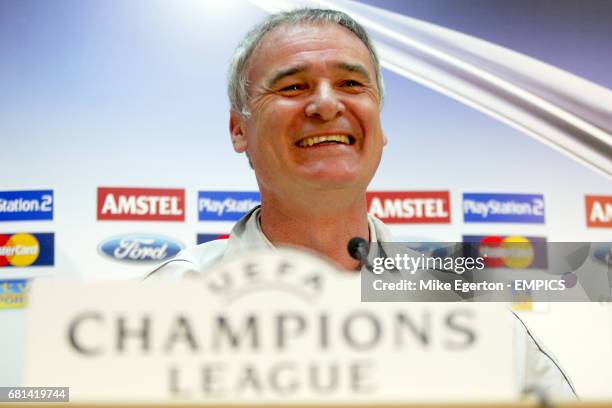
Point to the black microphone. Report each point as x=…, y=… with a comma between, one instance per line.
x=358, y=248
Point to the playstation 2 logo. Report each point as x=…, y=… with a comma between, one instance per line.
x=517, y=208
x=30, y=205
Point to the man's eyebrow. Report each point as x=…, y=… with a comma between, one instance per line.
x=357, y=68
x=287, y=72
x=283, y=73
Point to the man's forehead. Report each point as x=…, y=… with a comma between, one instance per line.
x=283, y=48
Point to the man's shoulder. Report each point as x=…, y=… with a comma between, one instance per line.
x=539, y=370
x=193, y=261
x=382, y=231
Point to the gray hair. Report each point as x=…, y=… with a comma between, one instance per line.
x=237, y=73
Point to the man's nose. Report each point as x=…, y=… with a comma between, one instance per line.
x=324, y=103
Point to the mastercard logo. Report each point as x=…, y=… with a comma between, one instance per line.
x=25, y=249
x=515, y=251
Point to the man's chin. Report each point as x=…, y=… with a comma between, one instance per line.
x=334, y=181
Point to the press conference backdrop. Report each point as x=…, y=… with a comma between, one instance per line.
x=116, y=153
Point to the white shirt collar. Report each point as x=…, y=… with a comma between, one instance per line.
x=247, y=234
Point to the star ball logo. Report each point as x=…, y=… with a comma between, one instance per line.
x=13, y=293
x=27, y=249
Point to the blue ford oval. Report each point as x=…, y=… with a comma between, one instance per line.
x=140, y=248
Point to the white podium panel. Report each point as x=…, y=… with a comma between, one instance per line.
x=271, y=331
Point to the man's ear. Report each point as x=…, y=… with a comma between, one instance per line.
x=236, y=127
x=385, y=140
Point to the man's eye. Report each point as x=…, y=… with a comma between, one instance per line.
x=351, y=83
x=293, y=87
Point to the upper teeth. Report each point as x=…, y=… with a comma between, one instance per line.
x=311, y=141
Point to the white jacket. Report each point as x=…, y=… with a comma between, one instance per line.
x=538, y=370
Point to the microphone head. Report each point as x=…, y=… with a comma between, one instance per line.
x=358, y=248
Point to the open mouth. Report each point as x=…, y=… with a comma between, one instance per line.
x=327, y=139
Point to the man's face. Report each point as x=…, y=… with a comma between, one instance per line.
x=314, y=103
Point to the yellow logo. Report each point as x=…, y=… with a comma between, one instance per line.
x=20, y=250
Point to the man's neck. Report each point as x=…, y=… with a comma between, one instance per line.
x=324, y=230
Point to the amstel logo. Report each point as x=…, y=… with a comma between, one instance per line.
x=24, y=249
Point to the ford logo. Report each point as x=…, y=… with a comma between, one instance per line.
x=140, y=248
x=602, y=254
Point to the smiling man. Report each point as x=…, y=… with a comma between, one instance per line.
x=311, y=128
x=306, y=92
